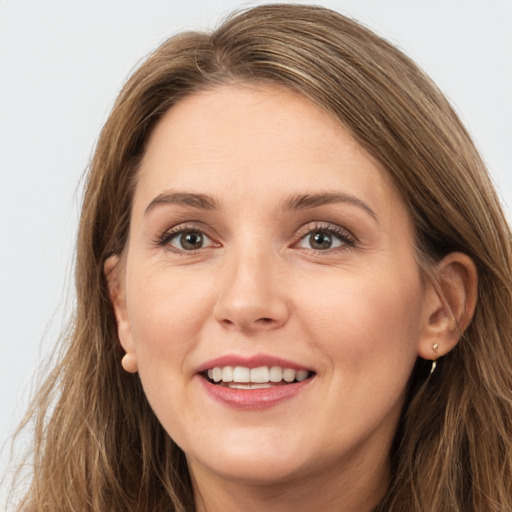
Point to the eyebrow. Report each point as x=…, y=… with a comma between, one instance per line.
x=200, y=201
x=296, y=202
x=306, y=201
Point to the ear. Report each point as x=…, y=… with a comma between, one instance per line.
x=450, y=303
x=114, y=276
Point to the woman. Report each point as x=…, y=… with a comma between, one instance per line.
x=293, y=288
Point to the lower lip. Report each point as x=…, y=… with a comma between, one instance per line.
x=254, y=398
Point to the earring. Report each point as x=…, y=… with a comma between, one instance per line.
x=129, y=362
x=435, y=349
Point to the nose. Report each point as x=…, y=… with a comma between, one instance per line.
x=252, y=297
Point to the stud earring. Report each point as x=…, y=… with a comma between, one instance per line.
x=129, y=363
x=435, y=347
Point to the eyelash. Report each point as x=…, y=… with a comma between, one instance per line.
x=347, y=239
x=164, y=240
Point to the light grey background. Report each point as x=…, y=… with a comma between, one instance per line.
x=61, y=66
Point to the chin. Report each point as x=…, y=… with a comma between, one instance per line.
x=256, y=471
x=250, y=462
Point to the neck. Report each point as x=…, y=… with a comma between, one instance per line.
x=341, y=491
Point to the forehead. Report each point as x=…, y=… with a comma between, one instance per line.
x=246, y=138
x=229, y=116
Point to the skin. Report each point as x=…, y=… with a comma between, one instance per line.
x=358, y=313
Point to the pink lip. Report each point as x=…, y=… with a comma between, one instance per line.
x=250, y=362
x=254, y=398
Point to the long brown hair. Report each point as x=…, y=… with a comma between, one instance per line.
x=98, y=445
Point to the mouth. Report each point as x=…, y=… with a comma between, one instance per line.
x=262, y=377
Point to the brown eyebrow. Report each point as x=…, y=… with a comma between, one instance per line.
x=296, y=202
x=305, y=201
x=200, y=201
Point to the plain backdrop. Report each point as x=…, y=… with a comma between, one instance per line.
x=62, y=64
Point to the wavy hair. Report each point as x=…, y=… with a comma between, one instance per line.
x=99, y=447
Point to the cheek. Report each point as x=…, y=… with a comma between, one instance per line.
x=368, y=329
x=364, y=321
x=165, y=313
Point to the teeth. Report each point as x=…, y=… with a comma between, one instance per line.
x=259, y=375
x=288, y=375
x=235, y=385
x=301, y=375
x=241, y=374
x=217, y=374
x=241, y=377
x=227, y=374
x=276, y=374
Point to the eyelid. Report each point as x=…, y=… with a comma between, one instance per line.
x=164, y=238
x=349, y=240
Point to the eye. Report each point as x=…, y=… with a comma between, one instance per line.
x=324, y=238
x=187, y=240
x=320, y=241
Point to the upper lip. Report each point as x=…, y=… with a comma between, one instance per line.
x=255, y=361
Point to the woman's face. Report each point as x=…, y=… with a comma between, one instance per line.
x=266, y=245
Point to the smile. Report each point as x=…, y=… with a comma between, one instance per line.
x=242, y=377
x=257, y=382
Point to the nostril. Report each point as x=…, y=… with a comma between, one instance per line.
x=255, y=324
